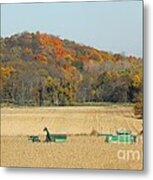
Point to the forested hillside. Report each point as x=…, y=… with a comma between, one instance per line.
x=42, y=69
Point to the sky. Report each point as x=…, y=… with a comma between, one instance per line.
x=112, y=26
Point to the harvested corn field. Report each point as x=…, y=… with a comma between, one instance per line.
x=83, y=149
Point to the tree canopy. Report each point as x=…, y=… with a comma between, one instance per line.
x=42, y=69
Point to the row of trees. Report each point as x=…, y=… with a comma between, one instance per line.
x=41, y=69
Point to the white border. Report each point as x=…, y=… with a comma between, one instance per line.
x=66, y=174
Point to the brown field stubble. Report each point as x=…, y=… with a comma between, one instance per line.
x=81, y=150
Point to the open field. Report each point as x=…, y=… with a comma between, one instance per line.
x=81, y=150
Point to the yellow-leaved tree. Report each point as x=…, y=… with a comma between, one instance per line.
x=137, y=83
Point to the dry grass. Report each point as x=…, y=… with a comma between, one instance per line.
x=81, y=151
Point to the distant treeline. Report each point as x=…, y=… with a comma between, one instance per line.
x=42, y=69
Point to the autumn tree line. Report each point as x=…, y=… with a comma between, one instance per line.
x=42, y=69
